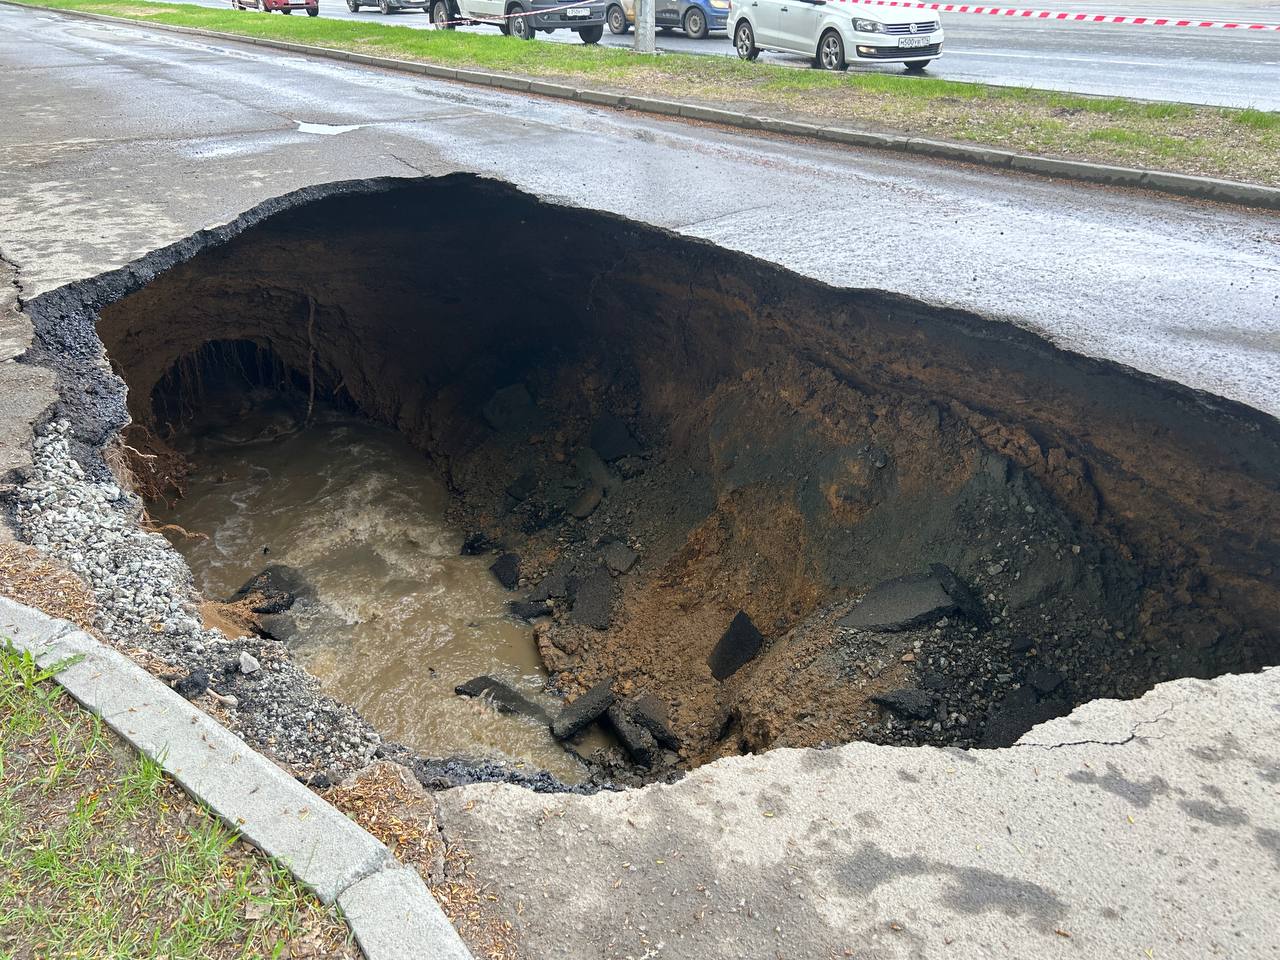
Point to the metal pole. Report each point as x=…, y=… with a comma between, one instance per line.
x=644, y=27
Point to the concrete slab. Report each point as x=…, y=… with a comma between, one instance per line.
x=1148, y=828
x=386, y=913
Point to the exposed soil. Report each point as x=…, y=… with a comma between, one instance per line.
x=765, y=444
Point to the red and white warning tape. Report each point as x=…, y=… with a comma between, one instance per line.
x=1070, y=17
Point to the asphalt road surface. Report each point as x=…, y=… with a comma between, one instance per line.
x=1194, y=65
x=118, y=140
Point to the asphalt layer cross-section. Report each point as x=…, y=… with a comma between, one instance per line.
x=120, y=140
x=1229, y=68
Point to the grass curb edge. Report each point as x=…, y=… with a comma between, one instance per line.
x=389, y=908
x=1176, y=184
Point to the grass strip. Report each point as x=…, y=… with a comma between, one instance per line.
x=1232, y=144
x=101, y=855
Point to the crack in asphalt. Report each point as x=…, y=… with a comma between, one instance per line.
x=1134, y=734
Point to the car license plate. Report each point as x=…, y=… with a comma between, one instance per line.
x=909, y=42
x=578, y=12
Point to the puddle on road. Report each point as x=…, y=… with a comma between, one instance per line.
x=398, y=618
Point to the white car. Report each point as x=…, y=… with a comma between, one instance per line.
x=836, y=34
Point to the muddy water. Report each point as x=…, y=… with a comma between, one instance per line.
x=397, y=618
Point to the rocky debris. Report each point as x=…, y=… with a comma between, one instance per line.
x=618, y=557
x=967, y=603
x=736, y=647
x=529, y=609
x=476, y=543
x=1044, y=681
x=140, y=584
x=908, y=703
x=574, y=717
x=193, y=685
x=523, y=486
x=506, y=570
x=554, y=584
x=901, y=604
x=504, y=697
x=592, y=599
x=272, y=591
x=587, y=502
x=652, y=714
x=612, y=439
x=594, y=470
x=638, y=741
x=509, y=407
x=248, y=663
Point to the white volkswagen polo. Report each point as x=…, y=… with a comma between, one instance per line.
x=835, y=33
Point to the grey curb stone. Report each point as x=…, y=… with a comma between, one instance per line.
x=553, y=90
x=322, y=848
x=649, y=105
x=509, y=83
x=600, y=97
x=1183, y=185
x=1079, y=170
x=386, y=913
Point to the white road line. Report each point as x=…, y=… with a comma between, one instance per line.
x=951, y=52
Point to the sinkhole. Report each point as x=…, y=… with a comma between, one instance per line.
x=718, y=507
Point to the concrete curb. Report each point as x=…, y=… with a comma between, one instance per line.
x=390, y=910
x=1177, y=184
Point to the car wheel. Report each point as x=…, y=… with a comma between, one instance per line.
x=384, y=8
x=521, y=28
x=504, y=28
x=592, y=34
x=353, y=6
x=744, y=41
x=831, y=52
x=917, y=66
x=441, y=16
x=286, y=11
x=313, y=11
x=695, y=24
x=617, y=21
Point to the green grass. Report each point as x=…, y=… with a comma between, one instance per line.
x=1236, y=144
x=102, y=856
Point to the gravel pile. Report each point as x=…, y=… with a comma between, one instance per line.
x=146, y=598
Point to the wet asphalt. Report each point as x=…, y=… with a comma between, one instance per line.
x=121, y=140
x=1229, y=68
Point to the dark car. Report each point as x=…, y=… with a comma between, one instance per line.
x=697, y=18
x=312, y=7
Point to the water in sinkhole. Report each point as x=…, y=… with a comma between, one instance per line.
x=396, y=617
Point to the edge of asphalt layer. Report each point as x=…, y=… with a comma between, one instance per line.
x=1177, y=184
x=388, y=907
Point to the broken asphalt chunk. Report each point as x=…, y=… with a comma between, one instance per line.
x=737, y=646
x=575, y=716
